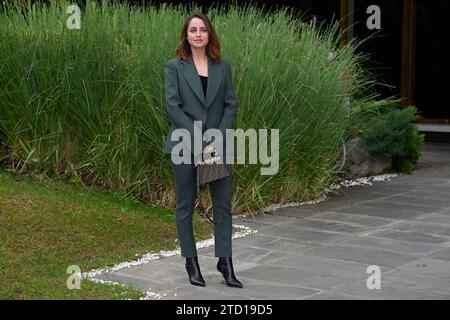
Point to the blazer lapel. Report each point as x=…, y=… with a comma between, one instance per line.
x=191, y=75
x=214, y=77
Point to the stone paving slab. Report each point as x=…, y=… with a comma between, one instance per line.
x=267, y=219
x=438, y=218
x=284, y=245
x=333, y=295
x=288, y=275
x=391, y=290
x=324, y=265
x=363, y=255
x=388, y=204
x=428, y=266
x=386, y=212
x=338, y=227
x=421, y=198
x=354, y=219
x=443, y=254
x=338, y=202
x=257, y=255
x=410, y=248
x=433, y=229
x=427, y=195
x=304, y=235
x=202, y=293
x=323, y=251
x=438, y=190
x=412, y=236
x=424, y=181
x=257, y=241
x=254, y=289
x=417, y=281
x=293, y=212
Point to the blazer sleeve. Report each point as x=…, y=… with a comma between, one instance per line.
x=229, y=106
x=174, y=102
x=230, y=102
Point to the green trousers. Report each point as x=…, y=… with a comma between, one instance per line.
x=220, y=191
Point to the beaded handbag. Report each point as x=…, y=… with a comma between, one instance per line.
x=208, y=171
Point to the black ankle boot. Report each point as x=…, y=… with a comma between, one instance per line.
x=193, y=270
x=225, y=266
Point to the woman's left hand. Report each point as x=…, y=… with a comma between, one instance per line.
x=209, y=149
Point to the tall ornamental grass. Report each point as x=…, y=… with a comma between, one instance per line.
x=89, y=104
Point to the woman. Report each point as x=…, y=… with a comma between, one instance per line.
x=199, y=87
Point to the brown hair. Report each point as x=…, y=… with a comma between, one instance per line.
x=183, y=50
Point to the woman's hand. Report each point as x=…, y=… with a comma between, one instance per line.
x=209, y=149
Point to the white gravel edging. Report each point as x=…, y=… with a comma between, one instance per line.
x=146, y=258
x=334, y=186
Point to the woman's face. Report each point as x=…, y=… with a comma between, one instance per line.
x=197, y=34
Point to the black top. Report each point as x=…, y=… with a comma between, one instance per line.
x=204, y=83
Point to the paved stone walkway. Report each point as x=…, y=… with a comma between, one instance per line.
x=323, y=251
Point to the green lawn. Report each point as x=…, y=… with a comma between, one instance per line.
x=46, y=226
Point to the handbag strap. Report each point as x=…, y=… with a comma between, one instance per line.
x=200, y=203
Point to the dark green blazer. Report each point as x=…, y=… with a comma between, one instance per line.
x=186, y=102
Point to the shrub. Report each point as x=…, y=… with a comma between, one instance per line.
x=387, y=129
